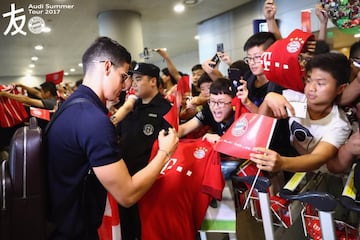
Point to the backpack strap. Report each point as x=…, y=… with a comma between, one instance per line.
x=62, y=108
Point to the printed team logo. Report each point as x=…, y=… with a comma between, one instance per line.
x=266, y=57
x=148, y=129
x=36, y=25
x=200, y=152
x=294, y=45
x=240, y=127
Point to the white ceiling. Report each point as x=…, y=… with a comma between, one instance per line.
x=73, y=31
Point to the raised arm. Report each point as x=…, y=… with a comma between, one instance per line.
x=323, y=19
x=23, y=99
x=269, y=14
x=30, y=90
x=172, y=69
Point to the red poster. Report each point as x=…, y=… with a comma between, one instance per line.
x=249, y=131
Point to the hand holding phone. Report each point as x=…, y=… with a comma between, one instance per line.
x=215, y=58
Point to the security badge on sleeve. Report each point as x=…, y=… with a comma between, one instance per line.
x=148, y=128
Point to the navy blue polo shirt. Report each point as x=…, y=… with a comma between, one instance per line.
x=82, y=137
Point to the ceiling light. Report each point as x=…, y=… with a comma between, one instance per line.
x=31, y=65
x=191, y=2
x=80, y=65
x=179, y=8
x=39, y=47
x=66, y=73
x=197, y=37
x=72, y=69
x=34, y=58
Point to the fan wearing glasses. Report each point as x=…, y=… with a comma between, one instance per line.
x=218, y=114
x=256, y=86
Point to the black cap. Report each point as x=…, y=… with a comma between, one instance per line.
x=146, y=69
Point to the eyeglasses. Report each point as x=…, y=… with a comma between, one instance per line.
x=213, y=103
x=124, y=75
x=355, y=61
x=256, y=59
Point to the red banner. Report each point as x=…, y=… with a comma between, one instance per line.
x=55, y=77
x=249, y=131
x=40, y=113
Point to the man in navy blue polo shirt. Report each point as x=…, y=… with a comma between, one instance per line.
x=83, y=156
x=138, y=131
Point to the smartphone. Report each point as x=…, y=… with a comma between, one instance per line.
x=235, y=75
x=215, y=58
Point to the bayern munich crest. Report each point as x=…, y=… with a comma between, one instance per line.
x=294, y=45
x=200, y=152
x=240, y=127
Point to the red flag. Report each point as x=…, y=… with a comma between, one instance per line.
x=55, y=77
x=306, y=20
x=40, y=113
x=110, y=226
x=249, y=131
x=172, y=116
x=183, y=85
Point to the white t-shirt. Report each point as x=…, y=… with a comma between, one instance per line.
x=305, y=133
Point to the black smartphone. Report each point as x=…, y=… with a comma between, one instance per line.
x=215, y=58
x=235, y=75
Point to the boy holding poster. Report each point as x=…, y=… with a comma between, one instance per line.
x=318, y=136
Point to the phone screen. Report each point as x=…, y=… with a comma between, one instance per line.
x=235, y=75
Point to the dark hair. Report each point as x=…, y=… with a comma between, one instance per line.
x=241, y=65
x=221, y=86
x=132, y=65
x=166, y=72
x=355, y=50
x=105, y=48
x=258, y=39
x=335, y=64
x=196, y=67
x=321, y=47
x=204, y=78
x=78, y=82
x=49, y=87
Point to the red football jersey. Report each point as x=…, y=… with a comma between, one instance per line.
x=176, y=204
